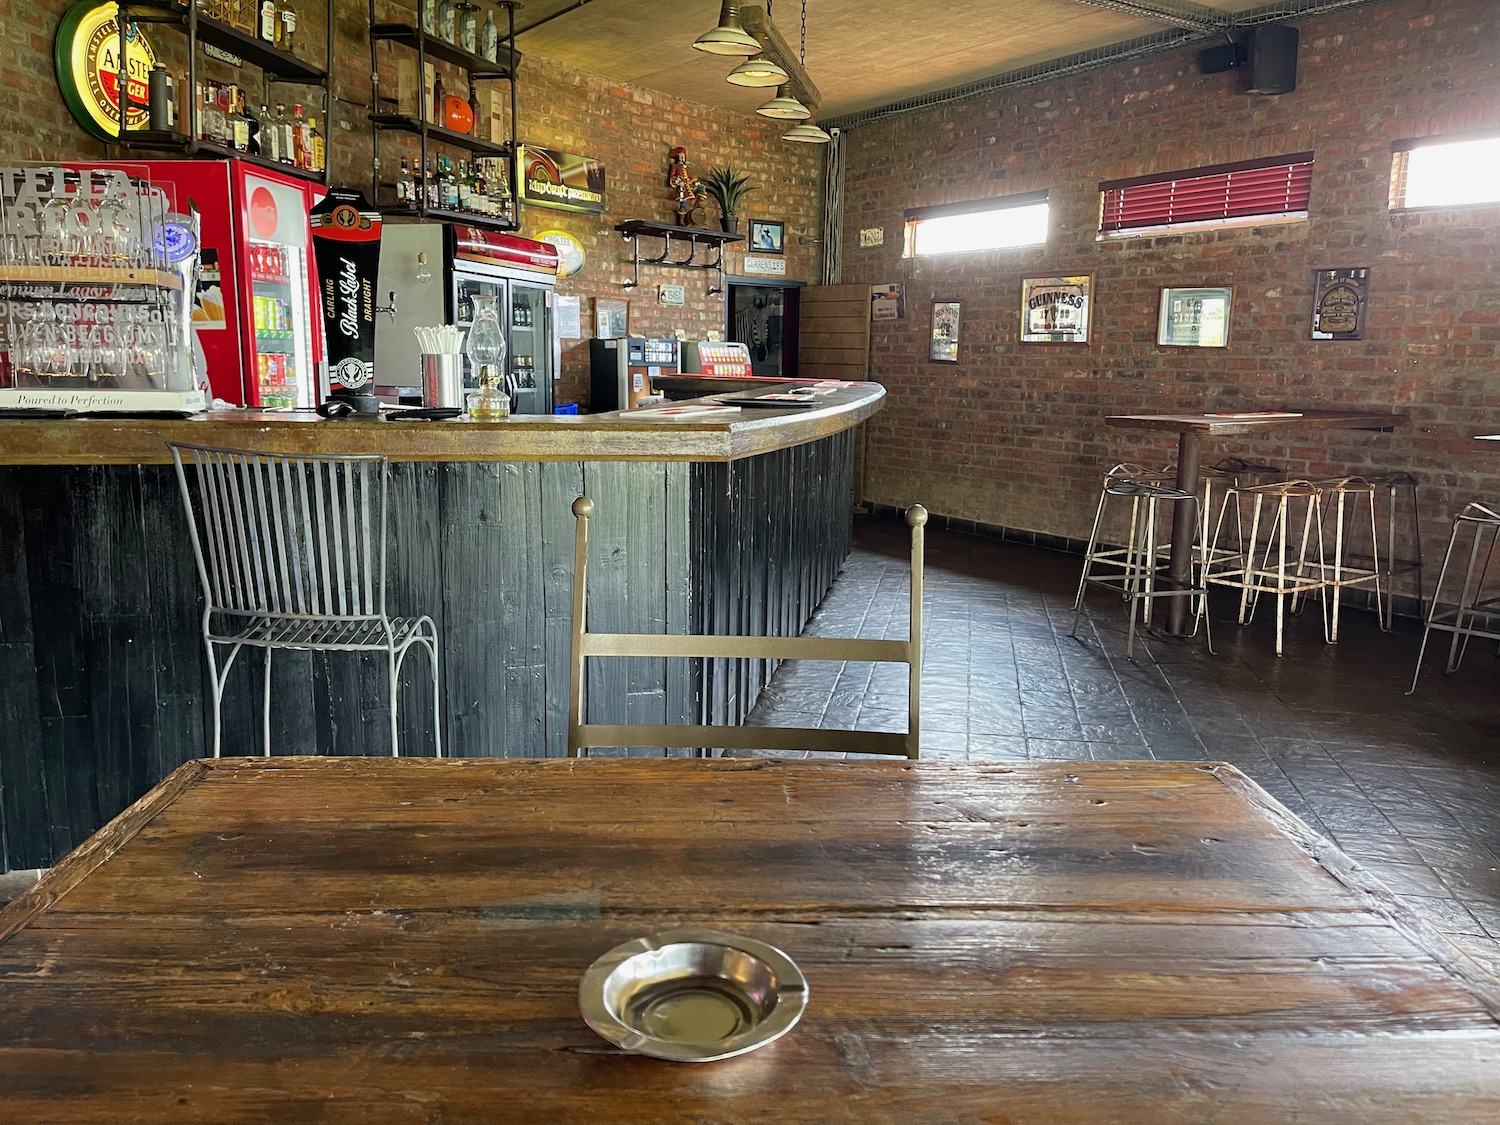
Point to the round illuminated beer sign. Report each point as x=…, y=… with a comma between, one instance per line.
x=87, y=54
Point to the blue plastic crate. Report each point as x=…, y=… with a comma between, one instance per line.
x=566, y=408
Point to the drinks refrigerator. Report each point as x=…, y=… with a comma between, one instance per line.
x=256, y=300
x=435, y=272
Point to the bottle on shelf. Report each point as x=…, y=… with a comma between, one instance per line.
x=429, y=185
x=286, y=28
x=270, y=135
x=447, y=21
x=403, y=183
x=429, y=16
x=159, y=98
x=450, y=186
x=253, y=122
x=438, y=93
x=468, y=29
x=265, y=29
x=283, y=126
x=212, y=124
x=301, y=140
x=474, y=129
x=317, y=146
x=489, y=38
x=236, y=127
x=463, y=186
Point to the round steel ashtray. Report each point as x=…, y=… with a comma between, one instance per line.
x=692, y=995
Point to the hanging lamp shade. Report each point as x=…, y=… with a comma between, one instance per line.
x=758, y=71
x=807, y=133
x=784, y=107
x=728, y=38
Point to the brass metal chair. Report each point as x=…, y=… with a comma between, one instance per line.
x=291, y=554
x=584, y=736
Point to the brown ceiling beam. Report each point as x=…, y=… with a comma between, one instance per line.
x=758, y=24
x=1178, y=13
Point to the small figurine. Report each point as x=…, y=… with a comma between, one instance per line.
x=690, y=194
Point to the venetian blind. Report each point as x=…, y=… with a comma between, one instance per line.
x=1280, y=186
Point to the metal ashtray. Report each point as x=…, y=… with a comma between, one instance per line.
x=692, y=995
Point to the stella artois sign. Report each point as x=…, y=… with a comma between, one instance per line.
x=87, y=53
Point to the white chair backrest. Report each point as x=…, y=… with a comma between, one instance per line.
x=287, y=536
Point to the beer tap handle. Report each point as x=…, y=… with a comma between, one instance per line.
x=390, y=308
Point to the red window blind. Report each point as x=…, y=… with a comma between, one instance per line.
x=1280, y=186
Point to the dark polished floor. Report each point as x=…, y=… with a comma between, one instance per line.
x=1409, y=786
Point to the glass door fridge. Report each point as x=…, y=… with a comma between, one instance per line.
x=531, y=338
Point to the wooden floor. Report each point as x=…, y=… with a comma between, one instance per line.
x=1407, y=786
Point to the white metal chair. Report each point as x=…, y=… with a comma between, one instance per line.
x=583, y=736
x=291, y=554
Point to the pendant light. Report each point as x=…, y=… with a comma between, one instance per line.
x=729, y=37
x=784, y=107
x=808, y=132
x=761, y=69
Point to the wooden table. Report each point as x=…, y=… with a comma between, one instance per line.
x=372, y=940
x=1191, y=429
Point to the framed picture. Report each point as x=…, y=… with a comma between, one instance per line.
x=1194, y=318
x=1056, y=310
x=888, y=302
x=946, y=321
x=1339, y=304
x=766, y=237
x=611, y=317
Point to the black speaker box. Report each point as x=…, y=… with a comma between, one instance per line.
x=1273, y=59
x=1224, y=57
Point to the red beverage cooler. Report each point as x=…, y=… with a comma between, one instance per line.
x=254, y=311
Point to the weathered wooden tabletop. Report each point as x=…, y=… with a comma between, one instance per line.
x=364, y=940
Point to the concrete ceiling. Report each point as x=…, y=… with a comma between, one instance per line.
x=860, y=53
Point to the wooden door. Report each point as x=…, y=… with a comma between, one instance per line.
x=835, y=332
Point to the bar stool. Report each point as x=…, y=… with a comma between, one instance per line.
x=1116, y=557
x=1471, y=614
x=1342, y=498
x=291, y=554
x=1142, y=560
x=1227, y=472
x=1254, y=568
x=1394, y=486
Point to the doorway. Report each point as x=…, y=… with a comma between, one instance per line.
x=763, y=317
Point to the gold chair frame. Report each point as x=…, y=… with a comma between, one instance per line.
x=584, y=736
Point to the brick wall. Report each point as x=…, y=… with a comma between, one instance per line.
x=1013, y=434
x=629, y=128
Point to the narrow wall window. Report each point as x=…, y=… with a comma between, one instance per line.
x=980, y=224
x=1277, y=188
x=1446, y=173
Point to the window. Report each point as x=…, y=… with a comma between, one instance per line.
x=1451, y=173
x=1255, y=189
x=981, y=224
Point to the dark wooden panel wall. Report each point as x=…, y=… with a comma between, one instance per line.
x=103, y=687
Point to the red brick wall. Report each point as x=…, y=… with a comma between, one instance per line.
x=629, y=128
x=1013, y=434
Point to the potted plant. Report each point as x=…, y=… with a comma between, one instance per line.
x=728, y=187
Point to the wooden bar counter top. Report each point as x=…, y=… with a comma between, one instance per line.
x=588, y=437
x=400, y=942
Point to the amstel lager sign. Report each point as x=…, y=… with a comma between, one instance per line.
x=87, y=53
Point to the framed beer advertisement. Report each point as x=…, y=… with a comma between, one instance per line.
x=1339, y=304
x=946, y=321
x=611, y=317
x=1194, y=318
x=1056, y=310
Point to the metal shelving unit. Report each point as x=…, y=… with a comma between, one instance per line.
x=634, y=230
x=477, y=68
x=276, y=66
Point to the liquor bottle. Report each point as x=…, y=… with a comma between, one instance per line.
x=429, y=185
x=489, y=38
x=463, y=186
x=236, y=128
x=270, y=136
x=403, y=187
x=474, y=129
x=429, y=16
x=266, y=29
x=450, y=189
x=447, y=23
x=285, y=152
x=480, y=200
x=301, y=142
x=213, y=117
x=286, y=28
x=438, y=93
x=317, y=145
x=468, y=30
x=254, y=121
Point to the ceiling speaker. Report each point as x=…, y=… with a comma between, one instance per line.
x=1273, y=59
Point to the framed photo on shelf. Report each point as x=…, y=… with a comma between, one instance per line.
x=1056, y=310
x=611, y=317
x=1194, y=318
x=947, y=319
x=767, y=237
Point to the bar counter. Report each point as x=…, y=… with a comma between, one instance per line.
x=729, y=524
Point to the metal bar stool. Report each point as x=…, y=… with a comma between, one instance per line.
x=1143, y=576
x=291, y=554
x=1473, y=615
x=1342, y=499
x=1393, y=487
x=1115, y=557
x=1254, y=568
